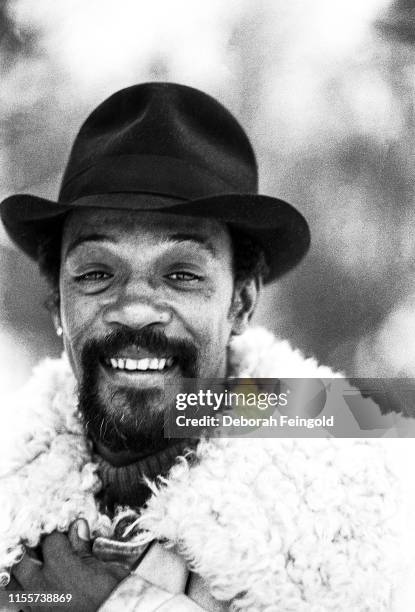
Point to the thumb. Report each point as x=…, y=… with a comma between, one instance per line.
x=80, y=538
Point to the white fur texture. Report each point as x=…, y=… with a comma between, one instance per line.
x=284, y=525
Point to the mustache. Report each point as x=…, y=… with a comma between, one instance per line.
x=152, y=339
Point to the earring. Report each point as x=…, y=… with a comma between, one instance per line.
x=59, y=331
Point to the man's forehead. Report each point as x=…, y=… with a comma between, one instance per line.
x=116, y=224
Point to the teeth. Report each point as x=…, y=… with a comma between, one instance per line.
x=143, y=364
x=140, y=364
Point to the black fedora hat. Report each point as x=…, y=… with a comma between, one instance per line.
x=164, y=147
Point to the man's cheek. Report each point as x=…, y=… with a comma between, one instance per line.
x=71, y=357
x=211, y=360
x=77, y=323
x=73, y=348
x=213, y=348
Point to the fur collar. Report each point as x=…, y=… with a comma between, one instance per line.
x=284, y=524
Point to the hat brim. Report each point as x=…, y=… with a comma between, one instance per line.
x=276, y=225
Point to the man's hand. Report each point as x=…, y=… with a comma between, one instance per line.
x=68, y=567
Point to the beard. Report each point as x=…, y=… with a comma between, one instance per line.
x=128, y=418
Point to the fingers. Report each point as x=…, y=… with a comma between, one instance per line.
x=80, y=538
x=13, y=585
x=56, y=548
x=27, y=571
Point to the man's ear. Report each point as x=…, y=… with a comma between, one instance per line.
x=244, y=302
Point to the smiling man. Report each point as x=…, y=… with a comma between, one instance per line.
x=155, y=253
x=133, y=285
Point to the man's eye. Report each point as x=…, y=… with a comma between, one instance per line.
x=95, y=275
x=184, y=276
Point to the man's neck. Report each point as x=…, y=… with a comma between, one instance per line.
x=125, y=457
x=125, y=483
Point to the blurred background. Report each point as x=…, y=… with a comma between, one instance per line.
x=325, y=90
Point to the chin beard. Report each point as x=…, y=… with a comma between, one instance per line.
x=128, y=418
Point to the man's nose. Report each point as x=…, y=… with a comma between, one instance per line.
x=136, y=313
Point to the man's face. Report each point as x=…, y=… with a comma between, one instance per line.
x=145, y=301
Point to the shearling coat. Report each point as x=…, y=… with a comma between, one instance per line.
x=268, y=524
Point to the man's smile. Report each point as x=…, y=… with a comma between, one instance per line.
x=137, y=365
x=143, y=364
x=139, y=375
x=136, y=358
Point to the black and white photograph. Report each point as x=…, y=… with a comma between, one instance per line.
x=207, y=305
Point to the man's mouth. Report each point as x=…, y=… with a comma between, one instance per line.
x=145, y=364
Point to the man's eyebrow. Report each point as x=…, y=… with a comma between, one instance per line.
x=87, y=238
x=198, y=238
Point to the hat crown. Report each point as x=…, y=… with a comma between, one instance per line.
x=169, y=121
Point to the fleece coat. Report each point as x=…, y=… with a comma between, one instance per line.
x=291, y=525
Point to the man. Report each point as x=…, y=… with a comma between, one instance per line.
x=156, y=252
